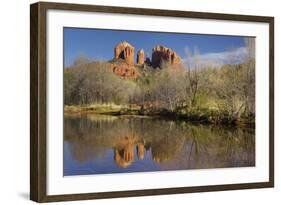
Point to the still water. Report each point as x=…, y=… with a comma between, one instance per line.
x=96, y=144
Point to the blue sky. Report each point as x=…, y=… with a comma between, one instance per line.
x=98, y=44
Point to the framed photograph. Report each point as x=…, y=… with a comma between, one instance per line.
x=134, y=102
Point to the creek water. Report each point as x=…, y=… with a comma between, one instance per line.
x=102, y=144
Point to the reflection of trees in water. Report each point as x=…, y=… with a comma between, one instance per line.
x=174, y=145
x=209, y=147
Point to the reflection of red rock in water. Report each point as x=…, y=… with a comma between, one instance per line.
x=140, y=150
x=161, y=151
x=124, y=151
x=124, y=157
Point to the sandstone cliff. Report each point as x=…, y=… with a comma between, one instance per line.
x=125, y=51
x=162, y=54
x=140, y=57
x=123, y=69
x=123, y=63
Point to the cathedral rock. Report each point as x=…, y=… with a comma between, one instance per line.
x=123, y=64
x=162, y=54
x=124, y=51
x=140, y=57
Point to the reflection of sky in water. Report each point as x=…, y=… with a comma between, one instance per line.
x=94, y=145
x=106, y=163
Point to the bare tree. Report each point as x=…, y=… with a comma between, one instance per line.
x=195, y=78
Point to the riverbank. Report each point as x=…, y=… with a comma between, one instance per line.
x=205, y=116
x=103, y=109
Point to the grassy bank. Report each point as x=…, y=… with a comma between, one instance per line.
x=103, y=109
x=206, y=116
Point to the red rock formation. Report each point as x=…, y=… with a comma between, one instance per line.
x=140, y=57
x=122, y=69
x=123, y=62
x=162, y=54
x=147, y=59
x=125, y=51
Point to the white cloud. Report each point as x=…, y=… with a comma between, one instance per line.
x=217, y=59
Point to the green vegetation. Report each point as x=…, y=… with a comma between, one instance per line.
x=204, y=93
x=103, y=109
